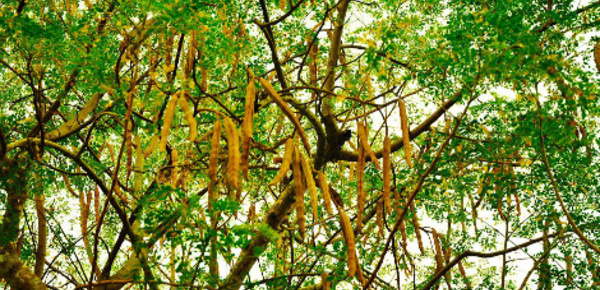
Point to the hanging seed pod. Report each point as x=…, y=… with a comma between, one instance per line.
x=189, y=115
x=285, y=162
x=387, y=174
x=405, y=132
x=233, y=162
x=360, y=173
x=417, y=230
x=299, y=187
x=403, y=233
x=312, y=188
x=350, y=242
x=500, y=210
x=152, y=146
x=287, y=111
x=247, y=125
x=438, y=251
x=168, y=119
x=175, y=164
x=380, y=217
x=325, y=189
x=364, y=143
x=191, y=52
x=214, y=152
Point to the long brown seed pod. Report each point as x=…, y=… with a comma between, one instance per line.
x=287, y=111
x=438, y=251
x=312, y=188
x=417, y=230
x=387, y=174
x=405, y=132
x=360, y=176
x=233, y=162
x=299, y=187
x=350, y=242
x=325, y=189
x=248, y=124
x=152, y=146
x=380, y=217
x=214, y=151
x=189, y=115
x=364, y=143
x=167, y=120
x=288, y=156
x=213, y=160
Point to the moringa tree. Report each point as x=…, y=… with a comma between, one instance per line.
x=299, y=144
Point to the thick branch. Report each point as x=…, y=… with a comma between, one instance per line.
x=423, y=127
x=259, y=242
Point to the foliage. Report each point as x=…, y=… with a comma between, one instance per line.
x=299, y=144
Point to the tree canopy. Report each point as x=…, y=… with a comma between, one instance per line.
x=299, y=144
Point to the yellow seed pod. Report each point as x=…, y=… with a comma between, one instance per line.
x=299, y=188
x=285, y=163
x=312, y=188
x=350, y=242
x=214, y=151
x=287, y=111
x=247, y=125
x=233, y=162
x=387, y=174
x=405, y=132
x=152, y=146
x=168, y=119
x=364, y=143
x=189, y=115
x=380, y=217
x=360, y=174
x=325, y=189
x=416, y=226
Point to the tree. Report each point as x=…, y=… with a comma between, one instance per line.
x=298, y=144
